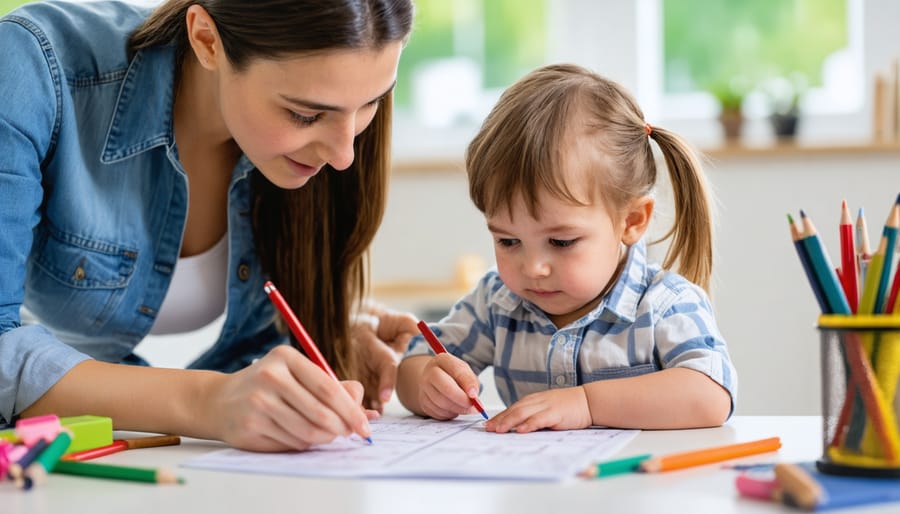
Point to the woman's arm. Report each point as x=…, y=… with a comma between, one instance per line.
x=281, y=402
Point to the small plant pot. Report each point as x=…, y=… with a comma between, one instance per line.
x=784, y=125
x=732, y=123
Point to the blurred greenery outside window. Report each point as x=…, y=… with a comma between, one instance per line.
x=9, y=5
x=770, y=55
x=463, y=53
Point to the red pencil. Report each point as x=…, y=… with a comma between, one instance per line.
x=312, y=351
x=437, y=348
x=309, y=347
x=94, y=453
x=849, y=277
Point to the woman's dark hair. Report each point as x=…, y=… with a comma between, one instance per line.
x=312, y=241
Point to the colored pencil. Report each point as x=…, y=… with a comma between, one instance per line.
x=849, y=276
x=124, y=444
x=154, y=441
x=894, y=297
x=16, y=470
x=36, y=472
x=615, y=467
x=95, y=470
x=306, y=342
x=437, y=347
x=93, y=453
x=863, y=249
x=807, y=266
x=822, y=267
x=709, y=455
x=889, y=234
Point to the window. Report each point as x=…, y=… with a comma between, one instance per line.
x=459, y=59
x=774, y=53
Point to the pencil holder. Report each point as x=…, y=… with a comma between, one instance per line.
x=861, y=408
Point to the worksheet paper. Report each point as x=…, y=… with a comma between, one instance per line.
x=413, y=447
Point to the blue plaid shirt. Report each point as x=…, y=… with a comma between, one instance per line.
x=650, y=320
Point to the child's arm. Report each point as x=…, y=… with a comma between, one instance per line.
x=668, y=399
x=440, y=386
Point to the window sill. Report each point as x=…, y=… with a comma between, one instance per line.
x=727, y=150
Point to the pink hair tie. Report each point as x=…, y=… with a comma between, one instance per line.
x=648, y=128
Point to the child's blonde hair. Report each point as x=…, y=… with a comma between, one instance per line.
x=519, y=148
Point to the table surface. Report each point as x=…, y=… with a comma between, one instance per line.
x=703, y=489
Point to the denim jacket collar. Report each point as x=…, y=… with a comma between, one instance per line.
x=144, y=106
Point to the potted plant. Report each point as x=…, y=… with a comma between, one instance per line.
x=731, y=116
x=784, y=97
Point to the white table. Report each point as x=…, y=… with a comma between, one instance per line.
x=704, y=489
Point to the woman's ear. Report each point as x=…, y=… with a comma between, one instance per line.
x=637, y=218
x=203, y=36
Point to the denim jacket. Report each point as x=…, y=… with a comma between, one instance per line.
x=93, y=202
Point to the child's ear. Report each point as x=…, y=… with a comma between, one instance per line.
x=637, y=218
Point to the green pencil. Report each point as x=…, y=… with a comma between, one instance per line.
x=615, y=467
x=92, y=469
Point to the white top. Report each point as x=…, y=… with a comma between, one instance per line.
x=197, y=294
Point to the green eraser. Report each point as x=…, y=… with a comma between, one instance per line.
x=88, y=432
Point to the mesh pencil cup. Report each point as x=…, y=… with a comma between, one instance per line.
x=861, y=408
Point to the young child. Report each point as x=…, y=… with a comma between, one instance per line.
x=581, y=330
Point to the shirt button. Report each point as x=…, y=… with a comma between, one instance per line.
x=243, y=272
x=560, y=380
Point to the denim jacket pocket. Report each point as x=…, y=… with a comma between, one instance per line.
x=84, y=278
x=82, y=263
x=618, y=372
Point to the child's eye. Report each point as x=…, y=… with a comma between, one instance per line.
x=302, y=120
x=507, y=242
x=562, y=243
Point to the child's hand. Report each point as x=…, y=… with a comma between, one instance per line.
x=558, y=409
x=446, y=387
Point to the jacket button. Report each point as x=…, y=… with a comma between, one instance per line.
x=243, y=272
x=79, y=274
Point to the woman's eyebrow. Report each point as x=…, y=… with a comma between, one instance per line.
x=316, y=106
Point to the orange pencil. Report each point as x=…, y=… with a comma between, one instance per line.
x=709, y=455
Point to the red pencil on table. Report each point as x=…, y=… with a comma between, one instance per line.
x=848, y=275
x=309, y=347
x=438, y=348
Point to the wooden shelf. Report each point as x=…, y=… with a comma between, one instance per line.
x=739, y=149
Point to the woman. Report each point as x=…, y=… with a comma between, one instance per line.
x=248, y=137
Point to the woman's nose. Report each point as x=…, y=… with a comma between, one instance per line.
x=338, y=145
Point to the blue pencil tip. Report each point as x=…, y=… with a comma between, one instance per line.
x=860, y=214
x=802, y=214
x=484, y=415
x=369, y=440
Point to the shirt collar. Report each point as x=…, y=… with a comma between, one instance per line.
x=620, y=304
x=142, y=117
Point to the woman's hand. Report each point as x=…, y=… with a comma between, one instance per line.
x=558, y=409
x=285, y=402
x=381, y=337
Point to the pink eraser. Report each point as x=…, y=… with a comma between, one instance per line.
x=30, y=430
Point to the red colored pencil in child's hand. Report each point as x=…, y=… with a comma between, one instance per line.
x=438, y=348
